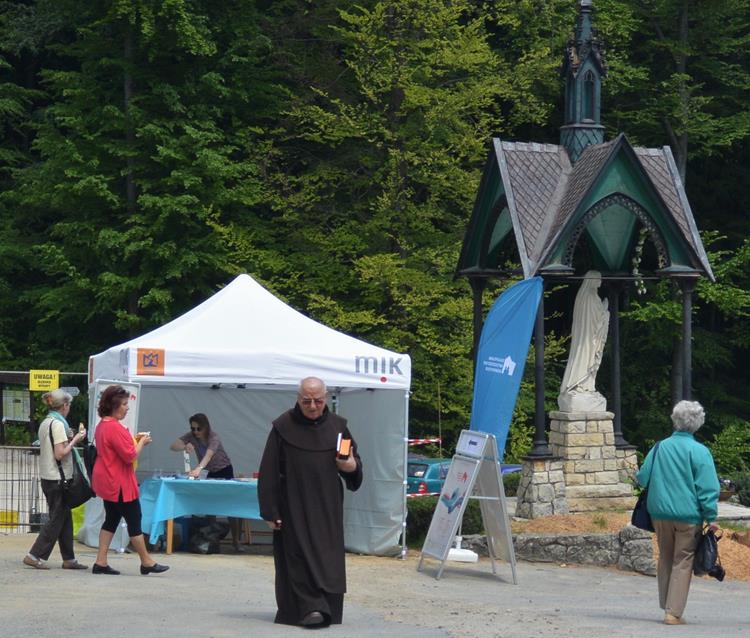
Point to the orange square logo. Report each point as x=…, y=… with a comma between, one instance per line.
x=151, y=361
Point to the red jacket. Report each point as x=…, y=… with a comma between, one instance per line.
x=113, y=470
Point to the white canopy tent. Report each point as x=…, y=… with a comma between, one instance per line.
x=238, y=357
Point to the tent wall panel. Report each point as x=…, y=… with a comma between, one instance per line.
x=243, y=335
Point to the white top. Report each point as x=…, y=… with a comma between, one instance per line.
x=47, y=464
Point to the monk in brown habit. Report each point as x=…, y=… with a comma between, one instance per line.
x=301, y=495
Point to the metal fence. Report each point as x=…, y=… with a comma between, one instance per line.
x=22, y=503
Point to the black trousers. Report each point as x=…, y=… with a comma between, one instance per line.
x=58, y=529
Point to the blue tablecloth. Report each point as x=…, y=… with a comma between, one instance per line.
x=169, y=498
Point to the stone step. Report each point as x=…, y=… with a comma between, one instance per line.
x=599, y=491
x=603, y=503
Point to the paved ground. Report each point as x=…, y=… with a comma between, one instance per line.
x=232, y=595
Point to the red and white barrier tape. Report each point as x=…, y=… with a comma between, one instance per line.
x=422, y=441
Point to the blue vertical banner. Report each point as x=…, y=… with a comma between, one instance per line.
x=503, y=347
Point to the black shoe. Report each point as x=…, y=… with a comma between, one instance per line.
x=312, y=619
x=98, y=569
x=154, y=569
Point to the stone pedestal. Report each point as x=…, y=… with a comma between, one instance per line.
x=627, y=463
x=585, y=442
x=541, y=490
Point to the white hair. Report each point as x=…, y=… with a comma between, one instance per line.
x=308, y=380
x=57, y=398
x=688, y=416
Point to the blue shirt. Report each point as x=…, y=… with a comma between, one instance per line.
x=682, y=481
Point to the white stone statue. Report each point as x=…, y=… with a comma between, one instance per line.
x=589, y=334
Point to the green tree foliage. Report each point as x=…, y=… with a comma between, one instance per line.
x=720, y=338
x=151, y=149
x=731, y=448
x=379, y=167
x=378, y=173
x=690, y=75
x=146, y=142
x=679, y=76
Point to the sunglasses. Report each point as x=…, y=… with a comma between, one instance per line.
x=192, y=429
x=313, y=401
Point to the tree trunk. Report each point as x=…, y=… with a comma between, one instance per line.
x=130, y=196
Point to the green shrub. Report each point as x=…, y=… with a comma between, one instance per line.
x=731, y=448
x=742, y=485
x=510, y=483
x=472, y=523
x=17, y=434
x=419, y=516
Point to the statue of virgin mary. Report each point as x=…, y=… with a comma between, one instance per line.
x=588, y=336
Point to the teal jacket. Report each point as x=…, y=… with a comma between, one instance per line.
x=682, y=482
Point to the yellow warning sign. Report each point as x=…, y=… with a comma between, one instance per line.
x=44, y=380
x=8, y=519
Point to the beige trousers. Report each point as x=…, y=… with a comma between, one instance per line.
x=677, y=543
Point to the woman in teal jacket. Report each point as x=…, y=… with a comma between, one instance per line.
x=683, y=492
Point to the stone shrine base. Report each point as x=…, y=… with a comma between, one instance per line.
x=541, y=490
x=585, y=442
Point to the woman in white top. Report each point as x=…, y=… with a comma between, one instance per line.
x=57, y=447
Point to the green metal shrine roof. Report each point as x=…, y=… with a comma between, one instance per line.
x=534, y=192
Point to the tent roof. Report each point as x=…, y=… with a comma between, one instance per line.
x=245, y=335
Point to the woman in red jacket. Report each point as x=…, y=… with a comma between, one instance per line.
x=114, y=480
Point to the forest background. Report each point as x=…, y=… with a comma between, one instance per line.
x=150, y=150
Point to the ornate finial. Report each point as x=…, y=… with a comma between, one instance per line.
x=584, y=42
x=584, y=32
x=583, y=69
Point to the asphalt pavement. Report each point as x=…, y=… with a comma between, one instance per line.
x=232, y=595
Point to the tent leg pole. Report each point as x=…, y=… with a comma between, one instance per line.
x=404, y=511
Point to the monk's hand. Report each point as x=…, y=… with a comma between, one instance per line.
x=275, y=525
x=349, y=464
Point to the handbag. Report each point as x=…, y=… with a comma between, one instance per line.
x=706, y=560
x=76, y=490
x=641, y=517
x=89, y=459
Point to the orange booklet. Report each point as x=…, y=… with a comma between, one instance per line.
x=344, y=448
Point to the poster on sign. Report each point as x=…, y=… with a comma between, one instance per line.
x=95, y=392
x=450, y=507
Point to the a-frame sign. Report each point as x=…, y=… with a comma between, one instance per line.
x=474, y=473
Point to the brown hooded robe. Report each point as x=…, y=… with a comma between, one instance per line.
x=299, y=484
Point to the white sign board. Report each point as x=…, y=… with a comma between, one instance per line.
x=16, y=405
x=95, y=392
x=475, y=472
x=471, y=444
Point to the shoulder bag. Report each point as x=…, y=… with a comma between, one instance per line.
x=76, y=490
x=641, y=518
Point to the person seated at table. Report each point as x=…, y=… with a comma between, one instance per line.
x=206, y=445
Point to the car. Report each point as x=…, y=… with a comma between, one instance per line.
x=426, y=476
